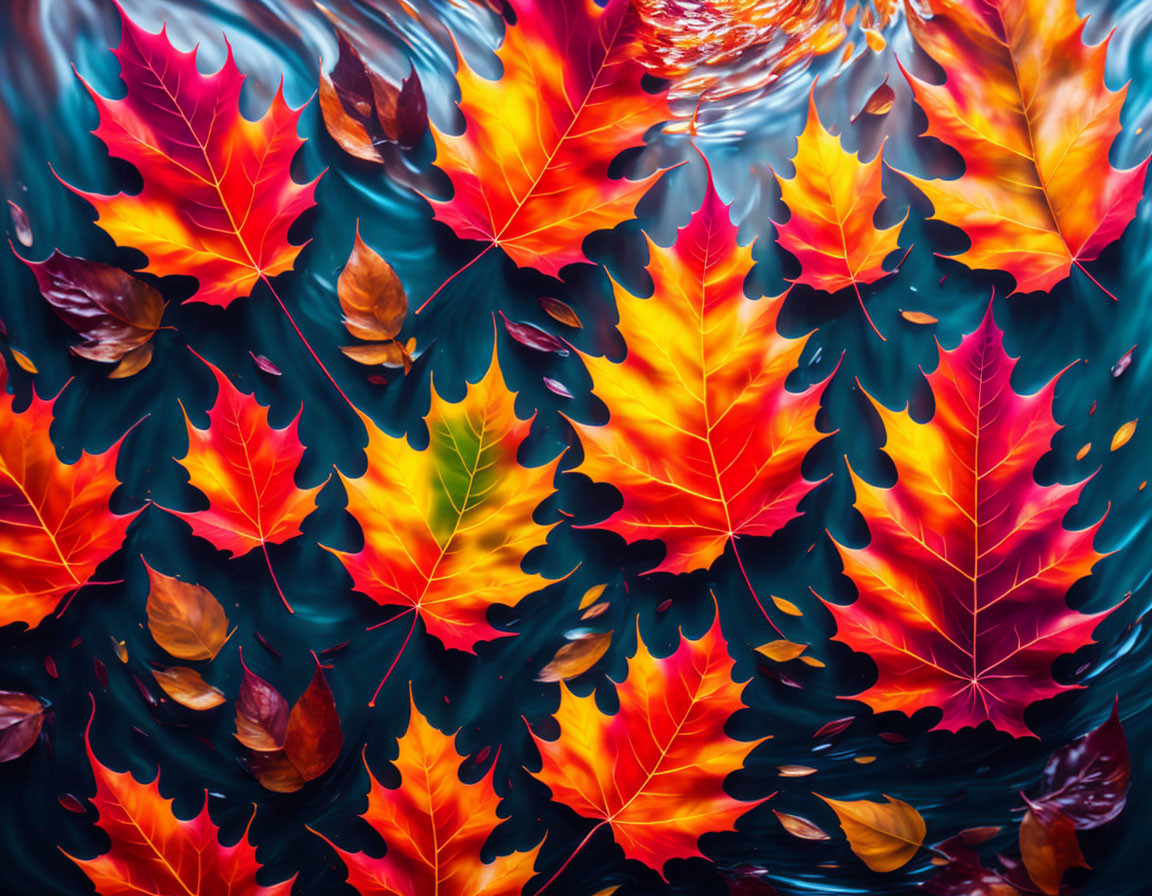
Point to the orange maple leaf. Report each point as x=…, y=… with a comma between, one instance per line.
x=832, y=199
x=961, y=589
x=530, y=171
x=435, y=826
x=445, y=528
x=246, y=468
x=654, y=772
x=55, y=525
x=218, y=198
x=153, y=851
x=1025, y=103
x=704, y=441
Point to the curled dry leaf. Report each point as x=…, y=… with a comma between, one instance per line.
x=885, y=835
x=781, y=651
x=576, y=657
x=21, y=717
x=187, y=688
x=20, y=225
x=185, y=619
x=1124, y=434
x=560, y=311
x=374, y=305
x=800, y=827
x=361, y=110
x=1049, y=847
x=115, y=313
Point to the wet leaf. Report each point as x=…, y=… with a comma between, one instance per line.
x=313, y=739
x=880, y=102
x=786, y=606
x=1049, y=847
x=556, y=387
x=21, y=717
x=264, y=364
x=120, y=649
x=185, y=619
x=371, y=295
x=885, y=835
x=576, y=657
x=261, y=714
x=20, y=225
x=187, y=688
x=800, y=827
x=531, y=336
x=1124, y=363
x=133, y=362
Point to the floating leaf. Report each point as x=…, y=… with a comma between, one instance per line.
x=591, y=596
x=1124, y=434
x=23, y=361
x=880, y=102
x=21, y=717
x=1049, y=847
x=885, y=835
x=1083, y=452
x=1123, y=364
x=531, y=336
x=185, y=619
x=261, y=714
x=375, y=305
x=187, y=688
x=20, y=225
x=795, y=771
x=576, y=657
x=918, y=317
x=264, y=364
x=800, y=827
x=781, y=651
x=560, y=311
x=556, y=387
x=786, y=606
x=831, y=729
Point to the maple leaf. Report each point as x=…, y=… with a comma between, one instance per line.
x=961, y=589
x=153, y=851
x=1026, y=105
x=445, y=528
x=530, y=171
x=55, y=524
x=704, y=441
x=434, y=826
x=832, y=199
x=218, y=198
x=654, y=772
x=246, y=469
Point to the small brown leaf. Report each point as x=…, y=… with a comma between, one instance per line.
x=185, y=619
x=800, y=827
x=1124, y=434
x=885, y=835
x=918, y=317
x=187, y=688
x=1049, y=847
x=349, y=133
x=796, y=771
x=371, y=295
x=596, y=610
x=781, y=651
x=1083, y=452
x=576, y=657
x=274, y=771
x=21, y=717
x=561, y=312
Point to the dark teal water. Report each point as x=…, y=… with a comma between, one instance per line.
x=957, y=781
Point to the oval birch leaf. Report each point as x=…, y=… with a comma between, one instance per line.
x=885, y=835
x=313, y=738
x=185, y=619
x=800, y=827
x=1124, y=434
x=796, y=771
x=23, y=361
x=389, y=354
x=560, y=311
x=261, y=714
x=591, y=596
x=786, y=606
x=21, y=717
x=187, y=688
x=781, y=651
x=576, y=658
x=371, y=295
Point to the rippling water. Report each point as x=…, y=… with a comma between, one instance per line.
x=957, y=781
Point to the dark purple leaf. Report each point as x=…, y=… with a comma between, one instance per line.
x=50, y=667
x=558, y=387
x=261, y=713
x=1124, y=363
x=533, y=337
x=21, y=716
x=101, y=672
x=1087, y=780
x=71, y=803
x=411, y=111
x=265, y=365
x=831, y=729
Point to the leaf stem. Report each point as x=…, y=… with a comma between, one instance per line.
x=272, y=573
x=568, y=860
x=440, y=288
x=1094, y=280
x=399, y=653
x=748, y=582
x=867, y=316
x=307, y=344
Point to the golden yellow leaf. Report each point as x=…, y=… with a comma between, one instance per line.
x=781, y=651
x=885, y=835
x=187, y=688
x=576, y=657
x=1123, y=434
x=591, y=596
x=786, y=606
